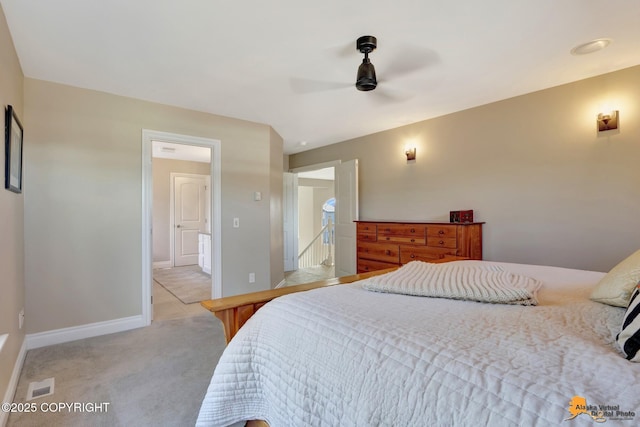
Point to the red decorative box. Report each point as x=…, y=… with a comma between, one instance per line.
x=461, y=216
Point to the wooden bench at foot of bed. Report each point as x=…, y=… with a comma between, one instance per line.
x=236, y=310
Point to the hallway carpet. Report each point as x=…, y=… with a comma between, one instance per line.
x=189, y=284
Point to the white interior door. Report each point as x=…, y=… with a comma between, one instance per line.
x=189, y=218
x=346, y=187
x=290, y=221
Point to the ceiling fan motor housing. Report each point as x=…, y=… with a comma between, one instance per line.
x=366, y=44
x=366, y=78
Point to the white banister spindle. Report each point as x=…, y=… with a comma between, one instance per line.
x=317, y=252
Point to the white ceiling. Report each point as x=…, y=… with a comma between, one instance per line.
x=266, y=61
x=171, y=151
x=325, y=174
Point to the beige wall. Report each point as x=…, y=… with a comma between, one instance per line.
x=83, y=215
x=305, y=216
x=312, y=194
x=551, y=190
x=12, y=293
x=162, y=169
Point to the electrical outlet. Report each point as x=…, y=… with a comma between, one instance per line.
x=21, y=319
x=236, y=222
x=252, y=277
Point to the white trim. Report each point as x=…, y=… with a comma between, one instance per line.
x=147, y=229
x=331, y=164
x=13, y=382
x=59, y=336
x=162, y=264
x=281, y=284
x=147, y=209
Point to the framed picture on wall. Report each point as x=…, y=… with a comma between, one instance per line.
x=13, y=151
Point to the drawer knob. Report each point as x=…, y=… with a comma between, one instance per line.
x=413, y=240
x=441, y=242
x=388, y=238
x=441, y=232
x=413, y=230
x=413, y=256
x=388, y=252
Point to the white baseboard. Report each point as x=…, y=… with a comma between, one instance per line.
x=162, y=264
x=13, y=382
x=281, y=284
x=58, y=336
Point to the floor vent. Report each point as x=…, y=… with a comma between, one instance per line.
x=40, y=389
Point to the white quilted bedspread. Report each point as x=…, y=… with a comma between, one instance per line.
x=455, y=280
x=343, y=356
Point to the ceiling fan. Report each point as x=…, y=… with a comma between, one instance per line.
x=366, y=78
x=406, y=61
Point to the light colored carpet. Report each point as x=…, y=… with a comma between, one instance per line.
x=153, y=376
x=309, y=274
x=189, y=284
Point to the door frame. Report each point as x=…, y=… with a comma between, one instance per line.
x=290, y=220
x=346, y=182
x=172, y=214
x=148, y=136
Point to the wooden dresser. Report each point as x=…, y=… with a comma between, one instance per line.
x=385, y=244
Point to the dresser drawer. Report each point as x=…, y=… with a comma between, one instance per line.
x=442, y=242
x=365, y=265
x=404, y=239
x=366, y=237
x=366, y=228
x=401, y=230
x=442, y=231
x=423, y=253
x=379, y=252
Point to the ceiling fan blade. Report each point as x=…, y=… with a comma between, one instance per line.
x=409, y=59
x=384, y=95
x=309, y=86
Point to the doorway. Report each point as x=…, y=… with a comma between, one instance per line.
x=310, y=195
x=173, y=224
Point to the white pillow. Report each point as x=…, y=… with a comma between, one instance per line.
x=616, y=287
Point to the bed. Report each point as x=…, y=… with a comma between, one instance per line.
x=344, y=355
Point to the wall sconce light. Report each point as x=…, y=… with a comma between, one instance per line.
x=608, y=121
x=411, y=153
